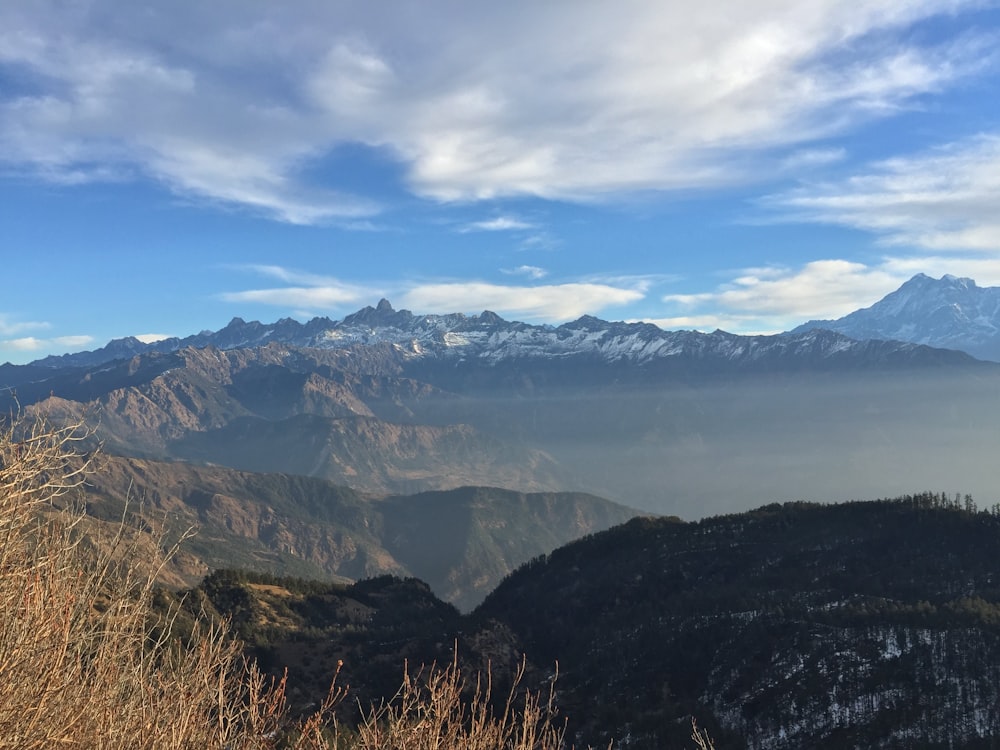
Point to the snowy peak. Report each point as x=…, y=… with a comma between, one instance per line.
x=951, y=312
x=488, y=339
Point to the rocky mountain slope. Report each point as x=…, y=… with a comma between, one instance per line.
x=950, y=312
x=279, y=409
x=462, y=542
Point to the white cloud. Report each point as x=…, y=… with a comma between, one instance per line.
x=24, y=344
x=318, y=297
x=152, y=338
x=532, y=272
x=33, y=343
x=11, y=327
x=499, y=224
x=776, y=299
x=942, y=200
x=236, y=103
x=554, y=302
x=303, y=290
x=984, y=269
x=293, y=275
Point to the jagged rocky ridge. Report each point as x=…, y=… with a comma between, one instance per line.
x=950, y=312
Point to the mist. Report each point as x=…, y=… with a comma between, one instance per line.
x=700, y=450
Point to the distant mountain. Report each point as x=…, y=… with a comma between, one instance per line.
x=861, y=625
x=277, y=409
x=949, y=313
x=674, y=422
x=488, y=339
x=462, y=542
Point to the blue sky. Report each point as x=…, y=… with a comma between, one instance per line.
x=739, y=165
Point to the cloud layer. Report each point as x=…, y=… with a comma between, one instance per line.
x=236, y=103
x=943, y=200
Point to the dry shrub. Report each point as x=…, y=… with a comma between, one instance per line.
x=700, y=736
x=79, y=665
x=431, y=712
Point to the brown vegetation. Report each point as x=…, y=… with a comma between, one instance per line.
x=80, y=666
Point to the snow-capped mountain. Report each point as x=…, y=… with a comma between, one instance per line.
x=950, y=313
x=489, y=339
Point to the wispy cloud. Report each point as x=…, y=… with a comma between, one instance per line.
x=832, y=285
x=32, y=343
x=553, y=302
x=302, y=290
x=315, y=297
x=521, y=99
x=499, y=224
x=12, y=327
x=23, y=344
x=73, y=341
x=942, y=200
x=532, y=272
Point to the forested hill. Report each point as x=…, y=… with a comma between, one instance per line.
x=824, y=626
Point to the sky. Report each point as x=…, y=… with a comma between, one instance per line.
x=750, y=165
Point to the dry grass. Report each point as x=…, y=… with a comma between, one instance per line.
x=79, y=666
x=82, y=668
x=431, y=712
x=700, y=736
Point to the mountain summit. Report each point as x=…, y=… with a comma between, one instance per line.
x=949, y=313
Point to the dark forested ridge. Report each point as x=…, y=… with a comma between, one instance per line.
x=370, y=631
x=825, y=626
x=858, y=625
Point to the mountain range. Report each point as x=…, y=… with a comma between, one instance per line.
x=671, y=422
x=947, y=313
x=489, y=339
